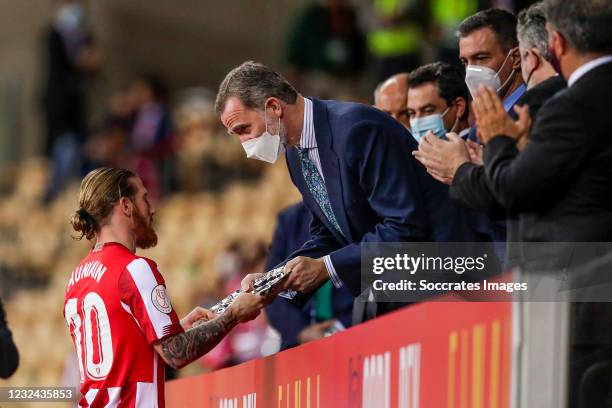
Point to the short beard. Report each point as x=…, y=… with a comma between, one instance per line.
x=281, y=130
x=144, y=232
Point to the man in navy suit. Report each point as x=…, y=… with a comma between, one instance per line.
x=353, y=165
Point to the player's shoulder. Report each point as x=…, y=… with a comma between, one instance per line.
x=142, y=262
x=142, y=268
x=121, y=258
x=352, y=120
x=350, y=111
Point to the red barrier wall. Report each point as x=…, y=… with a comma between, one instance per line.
x=435, y=354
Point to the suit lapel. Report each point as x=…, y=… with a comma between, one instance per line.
x=330, y=165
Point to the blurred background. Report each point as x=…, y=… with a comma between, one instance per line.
x=131, y=83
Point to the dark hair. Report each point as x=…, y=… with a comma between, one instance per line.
x=252, y=83
x=531, y=28
x=449, y=79
x=502, y=22
x=586, y=24
x=100, y=191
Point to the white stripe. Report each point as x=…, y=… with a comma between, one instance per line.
x=155, y=357
x=402, y=379
x=127, y=308
x=417, y=375
x=410, y=369
x=145, y=282
x=387, y=379
x=146, y=395
x=308, y=138
x=91, y=395
x=114, y=397
x=332, y=271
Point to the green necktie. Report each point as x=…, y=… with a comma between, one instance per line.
x=323, y=302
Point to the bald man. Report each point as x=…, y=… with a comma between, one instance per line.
x=391, y=95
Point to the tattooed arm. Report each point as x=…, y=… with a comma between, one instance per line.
x=183, y=348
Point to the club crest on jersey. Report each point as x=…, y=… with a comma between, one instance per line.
x=160, y=300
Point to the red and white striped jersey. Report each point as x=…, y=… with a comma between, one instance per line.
x=116, y=306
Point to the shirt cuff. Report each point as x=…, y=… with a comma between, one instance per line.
x=332, y=271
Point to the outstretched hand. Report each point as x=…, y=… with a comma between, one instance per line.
x=305, y=274
x=196, y=317
x=249, y=280
x=246, y=307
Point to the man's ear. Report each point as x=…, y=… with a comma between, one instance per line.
x=461, y=105
x=516, y=59
x=126, y=206
x=538, y=57
x=273, y=104
x=561, y=42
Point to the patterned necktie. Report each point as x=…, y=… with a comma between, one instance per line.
x=315, y=184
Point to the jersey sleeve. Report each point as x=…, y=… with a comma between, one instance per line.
x=143, y=294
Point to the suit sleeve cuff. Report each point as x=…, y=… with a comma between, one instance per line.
x=332, y=271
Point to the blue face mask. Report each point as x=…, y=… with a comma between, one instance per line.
x=420, y=126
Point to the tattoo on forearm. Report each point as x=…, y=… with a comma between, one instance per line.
x=186, y=347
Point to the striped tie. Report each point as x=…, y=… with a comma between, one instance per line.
x=315, y=184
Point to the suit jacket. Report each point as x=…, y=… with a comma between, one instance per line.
x=561, y=181
x=560, y=186
x=292, y=231
x=493, y=224
x=377, y=190
x=470, y=187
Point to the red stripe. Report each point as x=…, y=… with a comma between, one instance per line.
x=161, y=380
x=101, y=399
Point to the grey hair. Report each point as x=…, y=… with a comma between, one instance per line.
x=253, y=83
x=585, y=24
x=531, y=28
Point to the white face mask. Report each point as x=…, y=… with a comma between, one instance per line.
x=476, y=75
x=266, y=147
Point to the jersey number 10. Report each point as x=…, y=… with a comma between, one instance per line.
x=98, y=350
